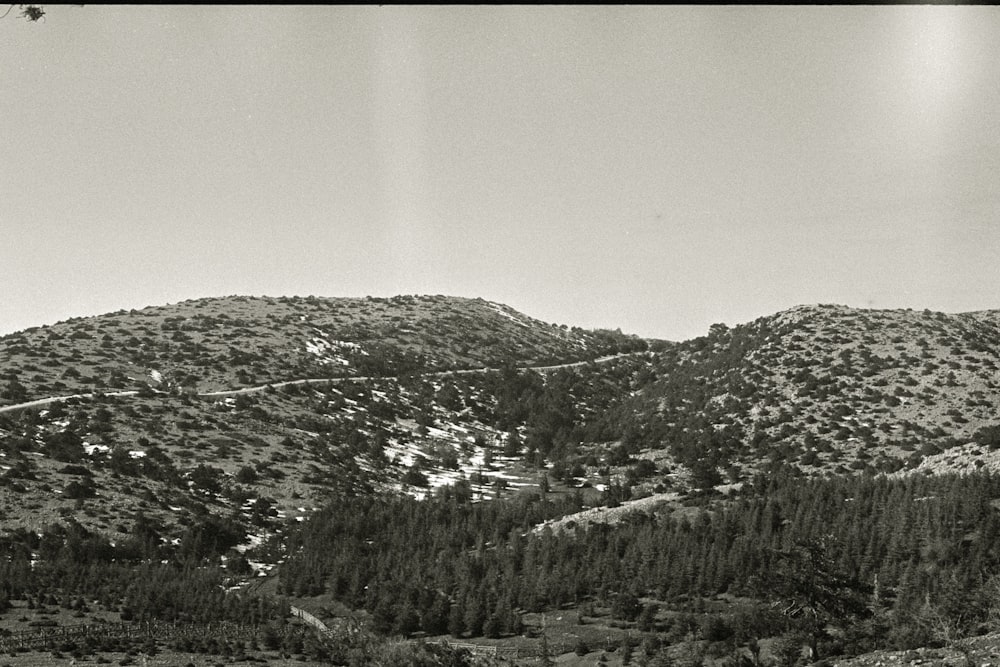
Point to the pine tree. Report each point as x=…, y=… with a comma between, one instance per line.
x=475, y=615
x=436, y=618
x=456, y=620
x=812, y=591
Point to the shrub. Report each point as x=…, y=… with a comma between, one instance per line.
x=626, y=607
x=246, y=475
x=79, y=490
x=988, y=436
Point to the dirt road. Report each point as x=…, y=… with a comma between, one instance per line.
x=37, y=403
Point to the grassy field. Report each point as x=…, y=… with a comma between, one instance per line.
x=23, y=617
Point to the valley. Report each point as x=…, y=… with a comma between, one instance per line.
x=440, y=469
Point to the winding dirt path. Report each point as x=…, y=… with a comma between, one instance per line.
x=37, y=403
x=54, y=399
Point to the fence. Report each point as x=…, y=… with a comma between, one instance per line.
x=554, y=648
x=342, y=626
x=54, y=636
x=490, y=651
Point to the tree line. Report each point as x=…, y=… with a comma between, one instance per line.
x=889, y=561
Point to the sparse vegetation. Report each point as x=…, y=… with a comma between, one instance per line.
x=189, y=445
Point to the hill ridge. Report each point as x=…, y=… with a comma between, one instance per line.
x=293, y=394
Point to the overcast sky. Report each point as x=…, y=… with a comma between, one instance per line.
x=656, y=169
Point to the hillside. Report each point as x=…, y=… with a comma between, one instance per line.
x=168, y=411
x=826, y=389
x=365, y=394
x=215, y=441
x=225, y=343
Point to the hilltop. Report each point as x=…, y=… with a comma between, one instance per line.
x=231, y=342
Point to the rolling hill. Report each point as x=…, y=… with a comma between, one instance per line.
x=276, y=403
x=828, y=389
x=229, y=430
x=256, y=407
x=226, y=343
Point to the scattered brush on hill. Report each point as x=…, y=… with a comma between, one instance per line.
x=828, y=389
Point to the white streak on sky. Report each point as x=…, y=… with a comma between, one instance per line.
x=400, y=130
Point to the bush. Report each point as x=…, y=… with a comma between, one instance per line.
x=626, y=607
x=246, y=475
x=787, y=649
x=415, y=477
x=80, y=489
x=715, y=629
x=988, y=436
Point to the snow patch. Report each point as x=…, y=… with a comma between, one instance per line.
x=321, y=348
x=499, y=309
x=254, y=541
x=329, y=350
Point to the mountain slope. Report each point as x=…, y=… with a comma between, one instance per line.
x=242, y=433
x=367, y=395
x=223, y=343
x=169, y=421
x=825, y=388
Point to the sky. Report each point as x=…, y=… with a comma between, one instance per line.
x=653, y=169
